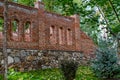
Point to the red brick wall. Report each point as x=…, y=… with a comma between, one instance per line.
x=47, y=31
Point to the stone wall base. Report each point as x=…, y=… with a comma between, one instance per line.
x=26, y=60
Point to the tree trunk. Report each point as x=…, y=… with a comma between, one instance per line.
x=5, y=40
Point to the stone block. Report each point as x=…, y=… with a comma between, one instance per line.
x=1, y=53
x=10, y=60
x=16, y=59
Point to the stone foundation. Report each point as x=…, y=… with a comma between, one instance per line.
x=26, y=60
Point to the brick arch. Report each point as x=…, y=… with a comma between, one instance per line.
x=14, y=17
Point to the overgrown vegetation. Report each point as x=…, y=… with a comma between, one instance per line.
x=83, y=73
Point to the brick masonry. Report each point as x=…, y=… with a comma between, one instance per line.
x=41, y=39
x=46, y=30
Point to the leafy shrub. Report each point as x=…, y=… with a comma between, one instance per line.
x=69, y=69
x=45, y=74
x=105, y=65
x=1, y=77
x=85, y=73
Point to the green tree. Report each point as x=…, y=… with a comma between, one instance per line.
x=105, y=64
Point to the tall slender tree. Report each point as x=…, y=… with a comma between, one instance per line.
x=5, y=39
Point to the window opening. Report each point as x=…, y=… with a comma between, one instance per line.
x=52, y=35
x=69, y=37
x=15, y=25
x=27, y=31
x=1, y=27
x=60, y=35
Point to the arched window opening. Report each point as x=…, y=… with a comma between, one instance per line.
x=52, y=35
x=15, y=25
x=52, y=28
x=1, y=27
x=27, y=31
x=69, y=37
x=1, y=24
x=61, y=35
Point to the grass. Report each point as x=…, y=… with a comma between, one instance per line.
x=83, y=73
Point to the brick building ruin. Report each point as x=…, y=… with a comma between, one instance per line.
x=34, y=28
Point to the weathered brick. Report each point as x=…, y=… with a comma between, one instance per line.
x=46, y=31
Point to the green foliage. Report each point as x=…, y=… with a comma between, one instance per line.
x=69, y=69
x=115, y=29
x=27, y=25
x=105, y=65
x=15, y=26
x=25, y=2
x=83, y=73
x=1, y=24
x=1, y=77
x=47, y=74
x=111, y=15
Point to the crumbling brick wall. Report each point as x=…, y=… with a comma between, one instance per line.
x=45, y=31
